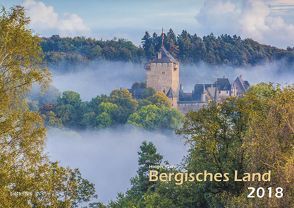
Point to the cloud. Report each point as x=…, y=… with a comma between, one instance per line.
x=247, y=18
x=45, y=19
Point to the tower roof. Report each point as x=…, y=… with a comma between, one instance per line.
x=223, y=84
x=164, y=57
x=243, y=85
x=170, y=93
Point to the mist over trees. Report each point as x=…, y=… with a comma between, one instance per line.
x=150, y=110
x=187, y=48
x=253, y=133
x=249, y=134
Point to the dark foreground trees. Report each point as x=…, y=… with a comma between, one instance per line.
x=27, y=177
x=250, y=134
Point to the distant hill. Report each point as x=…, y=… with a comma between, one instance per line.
x=187, y=48
x=81, y=49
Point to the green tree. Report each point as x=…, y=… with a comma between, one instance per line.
x=140, y=91
x=108, y=107
x=89, y=120
x=134, y=197
x=69, y=109
x=103, y=120
x=171, y=43
x=95, y=102
x=69, y=98
x=148, y=156
x=126, y=104
x=249, y=134
x=148, y=45
x=154, y=117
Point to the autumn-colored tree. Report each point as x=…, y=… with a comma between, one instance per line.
x=269, y=142
x=27, y=177
x=160, y=99
x=252, y=134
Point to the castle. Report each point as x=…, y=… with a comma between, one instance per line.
x=163, y=74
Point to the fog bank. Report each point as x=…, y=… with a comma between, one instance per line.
x=102, y=77
x=108, y=158
x=276, y=72
x=98, y=78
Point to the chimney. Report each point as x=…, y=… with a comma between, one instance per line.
x=159, y=56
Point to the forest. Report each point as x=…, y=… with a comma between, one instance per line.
x=151, y=110
x=253, y=133
x=249, y=134
x=186, y=47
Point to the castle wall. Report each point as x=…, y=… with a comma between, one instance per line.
x=186, y=107
x=222, y=95
x=174, y=102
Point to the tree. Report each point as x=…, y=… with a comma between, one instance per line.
x=148, y=156
x=189, y=48
x=249, y=134
x=69, y=98
x=269, y=142
x=108, y=107
x=126, y=104
x=171, y=43
x=95, y=102
x=148, y=46
x=69, y=109
x=28, y=178
x=216, y=134
x=140, y=91
x=185, y=45
x=160, y=99
x=154, y=117
x=103, y=120
x=134, y=197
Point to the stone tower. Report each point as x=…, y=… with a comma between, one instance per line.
x=163, y=74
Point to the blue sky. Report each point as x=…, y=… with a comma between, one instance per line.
x=268, y=21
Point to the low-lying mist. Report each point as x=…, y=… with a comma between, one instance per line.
x=98, y=78
x=275, y=72
x=102, y=77
x=108, y=158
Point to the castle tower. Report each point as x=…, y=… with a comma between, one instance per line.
x=163, y=74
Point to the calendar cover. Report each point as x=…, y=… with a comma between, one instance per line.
x=147, y=104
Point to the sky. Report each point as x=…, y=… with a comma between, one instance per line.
x=267, y=21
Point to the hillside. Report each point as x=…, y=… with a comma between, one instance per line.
x=188, y=48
